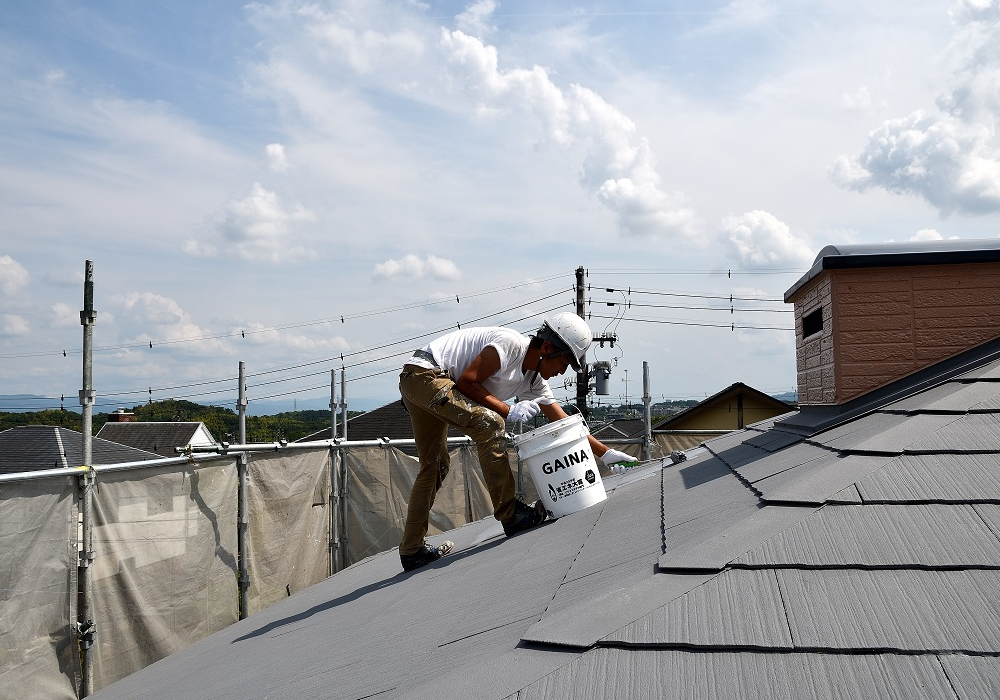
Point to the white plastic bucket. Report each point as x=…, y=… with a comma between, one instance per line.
x=562, y=465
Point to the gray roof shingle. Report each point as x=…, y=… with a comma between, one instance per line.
x=35, y=447
x=160, y=437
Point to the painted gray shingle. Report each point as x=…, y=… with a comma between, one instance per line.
x=646, y=674
x=899, y=610
x=819, y=481
x=975, y=432
x=953, y=397
x=947, y=478
x=882, y=536
x=717, y=616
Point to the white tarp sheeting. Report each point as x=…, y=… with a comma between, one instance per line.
x=288, y=496
x=164, y=573
x=38, y=565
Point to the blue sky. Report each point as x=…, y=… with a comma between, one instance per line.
x=244, y=175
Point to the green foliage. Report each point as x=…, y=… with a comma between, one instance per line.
x=223, y=423
x=50, y=416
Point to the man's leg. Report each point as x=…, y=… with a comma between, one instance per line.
x=431, y=434
x=436, y=394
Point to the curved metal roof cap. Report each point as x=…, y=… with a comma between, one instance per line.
x=895, y=248
x=956, y=250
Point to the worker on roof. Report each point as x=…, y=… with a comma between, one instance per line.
x=463, y=379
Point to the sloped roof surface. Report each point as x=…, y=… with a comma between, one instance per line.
x=860, y=561
x=36, y=447
x=160, y=437
x=620, y=428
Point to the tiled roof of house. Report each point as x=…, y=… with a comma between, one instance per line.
x=160, y=437
x=389, y=421
x=36, y=447
x=619, y=428
x=856, y=559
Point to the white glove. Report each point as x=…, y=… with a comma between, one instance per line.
x=523, y=411
x=613, y=456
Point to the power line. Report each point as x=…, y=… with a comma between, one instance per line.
x=243, y=332
x=730, y=297
x=143, y=392
x=730, y=309
x=732, y=326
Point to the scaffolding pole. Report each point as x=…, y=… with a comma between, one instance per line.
x=345, y=535
x=86, y=626
x=334, y=480
x=647, y=435
x=242, y=514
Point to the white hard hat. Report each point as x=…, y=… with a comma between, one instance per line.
x=569, y=333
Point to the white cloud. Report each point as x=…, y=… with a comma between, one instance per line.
x=13, y=276
x=365, y=50
x=66, y=315
x=758, y=239
x=149, y=317
x=927, y=234
x=257, y=227
x=948, y=155
x=948, y=162
x=619, y=168
x=858, y=101
x=277, y=160
x=411, y=267
x=13, y=325
x=475, y=20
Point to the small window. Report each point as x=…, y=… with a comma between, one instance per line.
x=812, y=323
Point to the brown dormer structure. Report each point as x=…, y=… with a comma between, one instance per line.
x=868, y=315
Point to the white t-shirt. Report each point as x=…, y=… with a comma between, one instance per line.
x=456, y=351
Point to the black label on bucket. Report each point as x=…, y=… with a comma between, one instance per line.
x=567, y=488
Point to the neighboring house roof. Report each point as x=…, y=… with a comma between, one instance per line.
x=838, y=555
x=158, y=437
x=619, y=428
x=700, y=416
x=35, y=447
x=390, y=421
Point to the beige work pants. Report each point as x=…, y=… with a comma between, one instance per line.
x=434, y=403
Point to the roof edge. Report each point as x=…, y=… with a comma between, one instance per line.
x=945, y=252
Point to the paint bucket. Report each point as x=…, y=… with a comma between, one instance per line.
x=562, y=465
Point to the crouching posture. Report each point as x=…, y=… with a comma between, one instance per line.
x=463, y=379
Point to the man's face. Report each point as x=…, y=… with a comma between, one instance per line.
x=552, y=366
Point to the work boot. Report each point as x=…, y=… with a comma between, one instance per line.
x=425, y=555
x=524, y=517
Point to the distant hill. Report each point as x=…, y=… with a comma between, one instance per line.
x=222, y=422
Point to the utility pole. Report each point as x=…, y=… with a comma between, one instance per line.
x=583, y=375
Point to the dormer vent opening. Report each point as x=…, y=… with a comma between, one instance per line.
x=812, y=323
